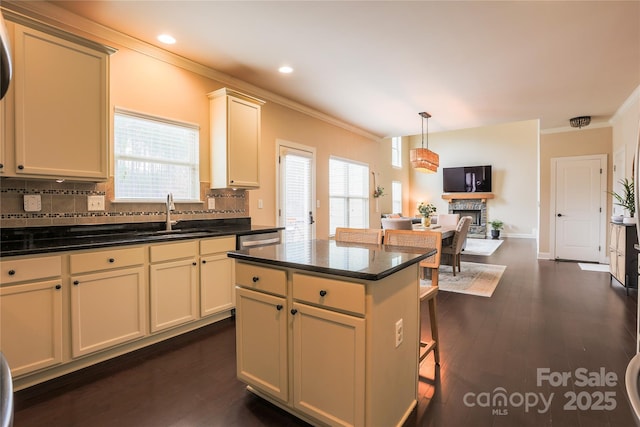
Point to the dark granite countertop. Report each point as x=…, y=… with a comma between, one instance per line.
x=366, y=262
x=35, y=240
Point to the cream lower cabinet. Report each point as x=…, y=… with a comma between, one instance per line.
x=173, y=284
x=31, y=335
x=216, y=275
x=108, y=299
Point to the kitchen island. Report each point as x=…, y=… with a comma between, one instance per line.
x=329, y=331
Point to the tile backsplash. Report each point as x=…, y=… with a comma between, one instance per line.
x=65, y=203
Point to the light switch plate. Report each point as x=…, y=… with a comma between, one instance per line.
x=95, y=203
x=211, y=203
x=32, y=203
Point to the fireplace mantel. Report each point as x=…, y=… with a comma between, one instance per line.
x=466, y=196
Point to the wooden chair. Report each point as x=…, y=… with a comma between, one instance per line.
x=359, y=235
x=397, y=223
x=428, y=291
x=457, y=243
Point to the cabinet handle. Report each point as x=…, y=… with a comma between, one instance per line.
x=20, y=167
x=112, y=260
x=11, y=272
x=204, y=261
x=279, y=307
x=194, y=263
x=294, y=311
x=75, y=282
x=58, y=287
x=323, y=293
x=255, y=279
x=1, y=166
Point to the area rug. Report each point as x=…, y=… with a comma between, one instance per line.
x=484, y=247
x=594, y=267
x=474, y=279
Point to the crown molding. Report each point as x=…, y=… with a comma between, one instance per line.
x=633, y=99
x=49, y=14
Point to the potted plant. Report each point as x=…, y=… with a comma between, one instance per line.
x=626, y=199
x=496, y=226
x=426, y=209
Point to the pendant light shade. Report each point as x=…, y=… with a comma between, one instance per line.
x=422, y=159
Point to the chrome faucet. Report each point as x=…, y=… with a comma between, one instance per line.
x=170, y=207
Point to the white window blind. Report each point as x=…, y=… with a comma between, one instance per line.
x=296, y=186
x=348, y=194
x=155, y=156
x=396, y=197
x=396, y=151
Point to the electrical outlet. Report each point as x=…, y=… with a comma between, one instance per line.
x=211, y=203
x=399, y=333
x=95, y=203
x=32, y=203
x=260, y=205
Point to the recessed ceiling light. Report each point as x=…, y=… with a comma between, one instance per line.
x=166, y=38
x=285, y=69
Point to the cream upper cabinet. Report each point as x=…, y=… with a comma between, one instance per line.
x=61, y=106
x=235, y=139
x=31, y=333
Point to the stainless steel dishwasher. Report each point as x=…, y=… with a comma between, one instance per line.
x=254, y=240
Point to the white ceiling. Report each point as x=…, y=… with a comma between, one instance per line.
x=376, y=64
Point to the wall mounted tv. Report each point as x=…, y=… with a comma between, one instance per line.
x=466, y=179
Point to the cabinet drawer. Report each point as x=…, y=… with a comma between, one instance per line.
x=103, y=260
x=344, y=296
x=218, y=244
x=263, y=279
x=20, y=270
x=170, y=251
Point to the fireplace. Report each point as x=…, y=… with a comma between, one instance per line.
x=477, y=210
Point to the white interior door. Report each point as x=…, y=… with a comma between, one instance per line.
x=579, y=207
x=296, y=175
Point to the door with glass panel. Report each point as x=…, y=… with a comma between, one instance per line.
x=296, y=175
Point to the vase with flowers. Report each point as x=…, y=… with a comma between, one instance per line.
x=426, y=210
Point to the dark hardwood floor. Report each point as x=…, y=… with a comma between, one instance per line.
x=543, y=314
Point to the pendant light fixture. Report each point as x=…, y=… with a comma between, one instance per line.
x=422, y=159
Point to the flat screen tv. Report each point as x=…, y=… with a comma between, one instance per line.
x=466, y=179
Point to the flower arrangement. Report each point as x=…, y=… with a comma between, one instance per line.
x=426, y=209
x=378, y=192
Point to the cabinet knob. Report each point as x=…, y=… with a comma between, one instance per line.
x=195, y=263
x=559, y=215
x=323, y=293
x=255, y=279
x=75, y=282
x=58, y=287
x=294, y=311
x=20, y=167
x=204, y=261
x=279, y=307
x=1, y=166
x=11, y=272
x=112, y=260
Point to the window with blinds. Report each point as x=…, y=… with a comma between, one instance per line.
x=155, y=156
x=348, y=194
x=296, y=171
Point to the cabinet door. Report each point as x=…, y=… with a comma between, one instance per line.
x=61, y=107
x=261, y=342
x=329, y=354
x=107, y=309
x=173, y=287
x=244, y=142
x=216, y=284
x=31, y=325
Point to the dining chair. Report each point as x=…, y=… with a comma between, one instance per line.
x=428, y=290
x=448, y=220
x=458, y=241
x=397, y=223
x=359, y=235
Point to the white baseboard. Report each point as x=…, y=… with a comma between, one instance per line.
x=544, y=255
